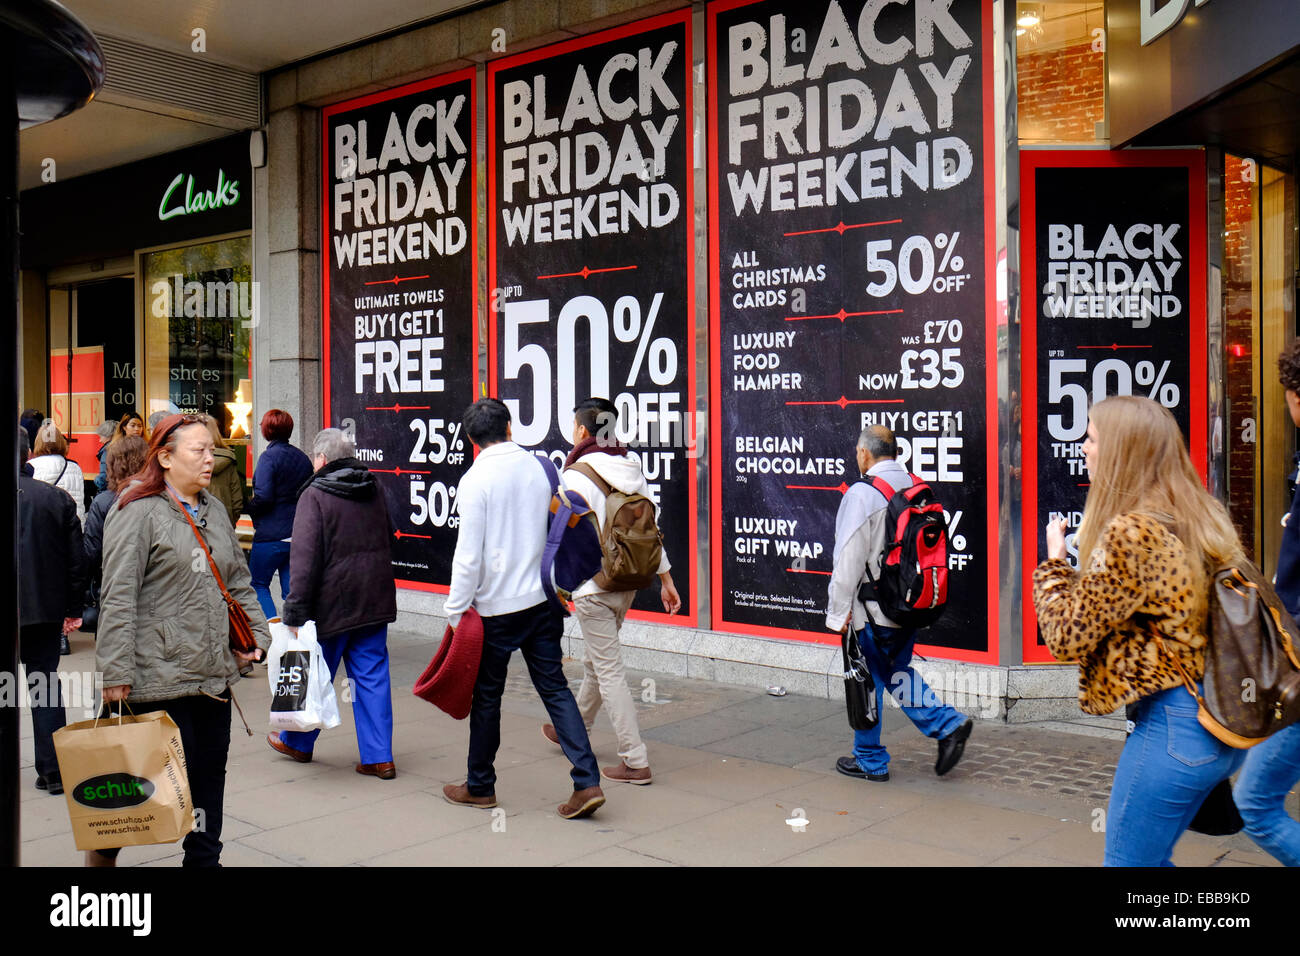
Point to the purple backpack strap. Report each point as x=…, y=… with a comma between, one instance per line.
x=554, y=535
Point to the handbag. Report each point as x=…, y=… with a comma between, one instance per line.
x=448, y=681
x=241, y=628
x=859, y=686
x=1252, y=674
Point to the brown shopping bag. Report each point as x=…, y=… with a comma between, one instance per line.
x=125, y=781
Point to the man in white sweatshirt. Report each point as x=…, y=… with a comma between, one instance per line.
x=503, y=501
x=600, y=612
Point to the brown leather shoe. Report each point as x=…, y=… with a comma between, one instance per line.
x=548, y=731
x=280, y=747
x=583, y=803
x=95, y=858
x=625, y=774
x=459, y=793
x=384, y=771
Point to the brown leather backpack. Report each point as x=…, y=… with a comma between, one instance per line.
x=1252, y=674
x=631, y=543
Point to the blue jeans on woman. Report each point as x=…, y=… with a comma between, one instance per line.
x=888, y=652
x=1270, y=771
x=264, y=559
x=1169, y=765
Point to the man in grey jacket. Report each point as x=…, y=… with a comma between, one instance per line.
x=860, y=537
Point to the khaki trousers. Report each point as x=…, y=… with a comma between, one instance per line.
x=600, y=616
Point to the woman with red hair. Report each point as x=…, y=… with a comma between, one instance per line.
x=164, y=631
x=279, y=475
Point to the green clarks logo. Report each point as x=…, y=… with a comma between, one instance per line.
x=113, y=791
x=226, y=194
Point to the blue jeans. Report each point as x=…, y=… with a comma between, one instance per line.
x=1169, y=765
x=890, y=667
x=536, y=632
x=366, y=653
x=265, y=558
x=1270, y=771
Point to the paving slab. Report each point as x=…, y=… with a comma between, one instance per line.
x=731, y=765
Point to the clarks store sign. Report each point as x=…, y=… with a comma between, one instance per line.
x=170, y=200
x=178, y=202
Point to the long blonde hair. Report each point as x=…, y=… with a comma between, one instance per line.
x=1142, y=465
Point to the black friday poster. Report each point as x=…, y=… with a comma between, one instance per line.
x=399, y=307
x=851, y=238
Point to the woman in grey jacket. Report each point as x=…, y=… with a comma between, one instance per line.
x=164, y=631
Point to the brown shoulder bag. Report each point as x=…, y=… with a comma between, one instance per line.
x=241, y=628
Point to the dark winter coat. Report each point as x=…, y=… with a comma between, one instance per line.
x=1287, y=582
x=341, y=561
x=227, y=484
x=281, y=470
x=94, y=537
x=51, y=560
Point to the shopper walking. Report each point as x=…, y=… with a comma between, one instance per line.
x=131, y=425
x=860, y=536
x=125, y=458
x=1136, y=613
x=597, y=466
x=277, y=479
x=342, y=570
x=1272, y=768
x=51, y=465
x=227, y=483
x=503, y=500
x=164, y=640
x=51, y=583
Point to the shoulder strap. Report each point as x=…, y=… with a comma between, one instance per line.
x=601, y=484
x=882, y=486
x=548, y=466
x=204, y=545
x=62, y=471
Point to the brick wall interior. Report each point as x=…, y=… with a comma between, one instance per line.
x=1061, y=94
x=1239, y=381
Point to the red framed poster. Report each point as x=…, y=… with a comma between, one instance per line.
x=399, y=280
x=591, y=258
x=851, y=264
x=1113, y=285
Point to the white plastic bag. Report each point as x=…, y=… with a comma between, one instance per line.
x=302, y=694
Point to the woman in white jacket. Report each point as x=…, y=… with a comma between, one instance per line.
x=51, y=465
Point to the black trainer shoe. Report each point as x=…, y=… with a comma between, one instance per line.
x=849, y=767
x=52, y=784
x=64, y=647
x=952, y=747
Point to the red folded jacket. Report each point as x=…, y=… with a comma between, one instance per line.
x=448, y=681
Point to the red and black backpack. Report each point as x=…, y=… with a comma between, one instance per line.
x=913, y=585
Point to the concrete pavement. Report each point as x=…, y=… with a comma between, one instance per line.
x=731, y=765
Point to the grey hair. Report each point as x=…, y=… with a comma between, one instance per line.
x=155, y=418
x=332, y=445
x=878, y=441
x=106, y=429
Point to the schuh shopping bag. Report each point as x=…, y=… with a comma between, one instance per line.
x=302, y=693
x=124, y=779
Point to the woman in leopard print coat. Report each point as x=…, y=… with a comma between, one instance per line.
x=1149, y=538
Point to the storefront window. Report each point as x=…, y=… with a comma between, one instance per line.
x=1061, y=72
x=1259, y=316
x=198, y=306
